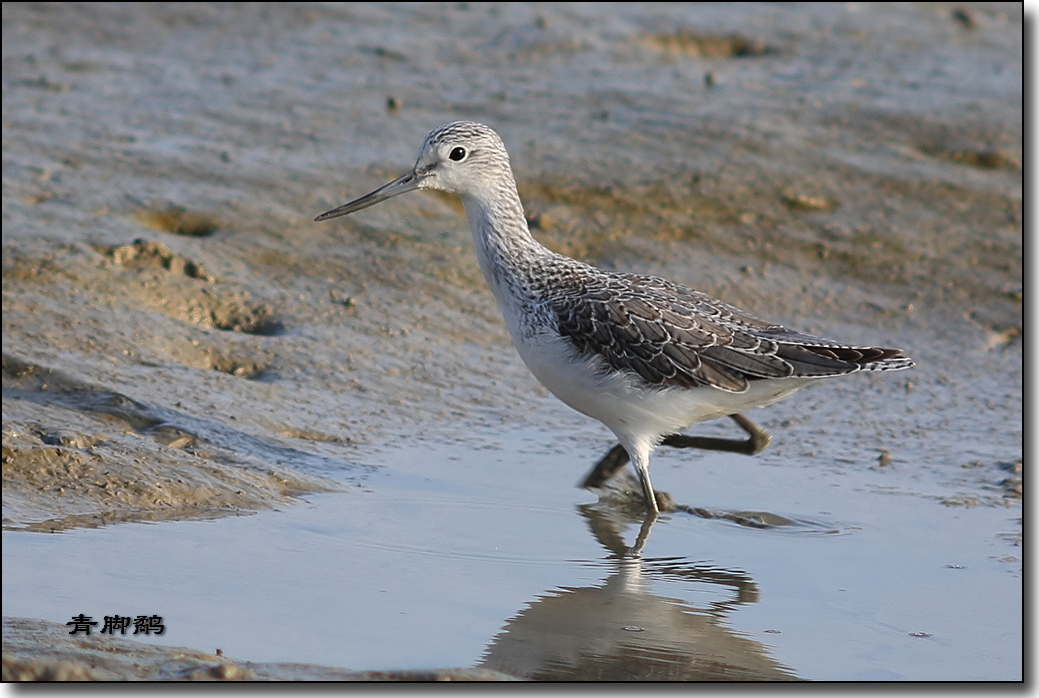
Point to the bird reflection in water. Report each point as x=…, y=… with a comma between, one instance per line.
x=620, y=630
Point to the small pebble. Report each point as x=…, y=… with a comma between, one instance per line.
x=965, y=17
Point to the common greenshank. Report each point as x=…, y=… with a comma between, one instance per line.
x=644, y=356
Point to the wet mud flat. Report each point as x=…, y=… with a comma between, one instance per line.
x=181, y=342
x=42, y=651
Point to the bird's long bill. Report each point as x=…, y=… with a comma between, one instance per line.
x=401, y=185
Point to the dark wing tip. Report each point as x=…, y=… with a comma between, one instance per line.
x=866, y=358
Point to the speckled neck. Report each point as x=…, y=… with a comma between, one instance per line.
x=508, y=254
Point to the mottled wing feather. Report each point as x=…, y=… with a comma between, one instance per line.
x=673, y=336
x=752, y=363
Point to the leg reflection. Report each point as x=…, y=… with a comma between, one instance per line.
x=640, y=541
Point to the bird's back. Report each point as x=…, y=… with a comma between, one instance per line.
x=673, y=336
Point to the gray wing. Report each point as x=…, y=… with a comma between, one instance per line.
x=671, y=335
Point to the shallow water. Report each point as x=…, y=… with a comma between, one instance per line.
x=451, y=556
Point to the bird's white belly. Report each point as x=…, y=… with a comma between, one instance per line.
x=623, y=403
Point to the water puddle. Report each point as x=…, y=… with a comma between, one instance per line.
x=450, y=555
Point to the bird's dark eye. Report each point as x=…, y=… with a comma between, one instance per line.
x=457, y=154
